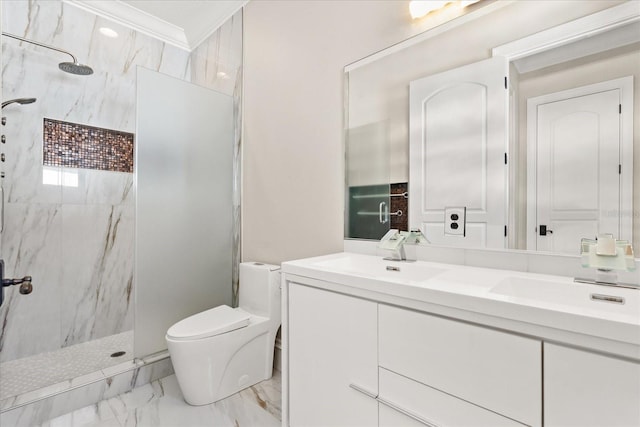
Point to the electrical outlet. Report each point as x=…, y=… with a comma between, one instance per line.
x=455, y=221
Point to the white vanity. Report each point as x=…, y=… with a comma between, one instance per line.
x=369, y=342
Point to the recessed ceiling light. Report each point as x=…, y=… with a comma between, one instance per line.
x=108, y=32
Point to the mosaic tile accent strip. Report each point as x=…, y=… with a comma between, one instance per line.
x=74, y=145
x=401, y=222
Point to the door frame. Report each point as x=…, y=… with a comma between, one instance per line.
x=625, y=209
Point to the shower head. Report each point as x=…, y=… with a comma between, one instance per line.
x=75, y=68
x=19, y=101
x=68, y=67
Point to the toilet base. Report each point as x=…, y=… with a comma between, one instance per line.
x=244, y=371
x=228, y=367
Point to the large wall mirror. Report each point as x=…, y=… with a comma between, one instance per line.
x=508, y=127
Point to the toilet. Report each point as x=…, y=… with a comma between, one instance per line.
x=221, y=351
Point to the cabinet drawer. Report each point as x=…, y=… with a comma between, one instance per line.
x=429, y=406
x=584, y=389
x=495, y=370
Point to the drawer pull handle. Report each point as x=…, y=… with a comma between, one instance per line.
x=409, y=414
x=363, y=391
x=393, y=406
x=607, y=298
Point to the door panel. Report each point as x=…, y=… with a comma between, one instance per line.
x=447, y=143
x=457, y=148
x=578, y=180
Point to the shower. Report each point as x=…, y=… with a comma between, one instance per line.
x=68, y=67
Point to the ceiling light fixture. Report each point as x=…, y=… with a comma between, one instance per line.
x=419, y=8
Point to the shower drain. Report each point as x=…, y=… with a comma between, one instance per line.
x=118, y=353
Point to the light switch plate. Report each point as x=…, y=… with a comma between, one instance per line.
x=455, y=221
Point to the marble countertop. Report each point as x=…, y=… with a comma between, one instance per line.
x=551, y=308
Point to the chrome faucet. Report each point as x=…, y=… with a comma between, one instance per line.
x=607, y=256
x=398, y=255
x=395, y=240
x=416, y=237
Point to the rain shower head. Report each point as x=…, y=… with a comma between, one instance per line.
x=75, y=68
x=19, y=101
x=68, y=67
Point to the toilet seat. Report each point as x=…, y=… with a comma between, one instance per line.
x=209, y=323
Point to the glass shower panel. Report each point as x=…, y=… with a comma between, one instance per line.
x=184, y=159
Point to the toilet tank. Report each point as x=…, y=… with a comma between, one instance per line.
x=259, y=291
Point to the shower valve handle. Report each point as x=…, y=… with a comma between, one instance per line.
x=11, y=282
x=25, y=284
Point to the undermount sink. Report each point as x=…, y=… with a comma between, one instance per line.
x=378, y=268
x=579, y=295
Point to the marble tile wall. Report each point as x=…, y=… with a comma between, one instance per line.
x=76, y=239
x=224, y=74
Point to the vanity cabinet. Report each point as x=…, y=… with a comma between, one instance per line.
x=333, y=344
x=589, y=390
x=476, y=372
x=355, y=362
x=365, y=346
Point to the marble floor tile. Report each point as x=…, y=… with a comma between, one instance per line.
x=160, y=404
x=99, y=415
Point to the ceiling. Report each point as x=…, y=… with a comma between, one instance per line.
x=182, y=23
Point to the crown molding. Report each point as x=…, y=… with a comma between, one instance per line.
x=136, y=19
x=223, y=16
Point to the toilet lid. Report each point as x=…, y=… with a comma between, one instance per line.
x=212, y=322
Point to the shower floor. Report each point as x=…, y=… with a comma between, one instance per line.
x=42, y=370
